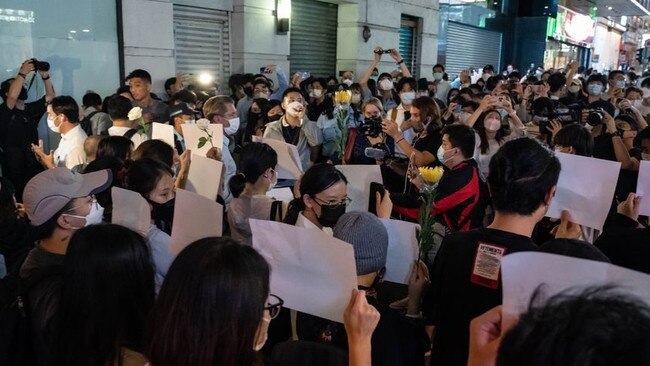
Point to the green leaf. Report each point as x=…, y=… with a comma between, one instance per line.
x=202, y=142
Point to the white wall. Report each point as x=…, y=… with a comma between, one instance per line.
x=383, y=17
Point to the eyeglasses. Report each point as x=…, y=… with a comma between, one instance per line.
x=346, y=201
x=274, y=306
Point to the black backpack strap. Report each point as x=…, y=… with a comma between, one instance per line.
x=130, y=133
x=276, y=211
x=91, y=115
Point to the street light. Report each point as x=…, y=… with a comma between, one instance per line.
x=282, y=15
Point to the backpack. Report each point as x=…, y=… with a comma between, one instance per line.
x=128, y=134
x=15, y=340
x=86, y=123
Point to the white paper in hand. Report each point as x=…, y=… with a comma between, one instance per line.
x=643, y=188
x=524, y=272
x=164, y=132
x=289, y=164
x=311, y=271
x=281, y=194
x=359, y=179
x=130, y=210
x=585, y=188
x=192, y=135
x=204, y=177
x=195, y=217
x=402, y=250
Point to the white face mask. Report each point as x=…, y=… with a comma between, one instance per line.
x=261, y=95
x=486, y=77
x=274, y=182
x=347, y=82
x=51, y=124
x=464, y=116
x=407, y=97
x=637, y=103
x=574, y=89
x=645, y=156
x=295, y=109
x=646, y=92
x=316, y=93
x=234, y=126
x=386, y=84
x=437, y=75
x=356, y=98
x=492, y=124
x=95, y=216
x=259, y=345
x=190, y=121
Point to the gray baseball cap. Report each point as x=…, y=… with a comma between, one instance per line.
x=48, y=192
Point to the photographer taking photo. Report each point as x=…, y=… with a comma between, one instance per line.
x=19, y=124
x=371, y=136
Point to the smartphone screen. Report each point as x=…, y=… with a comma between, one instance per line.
x=372, y=202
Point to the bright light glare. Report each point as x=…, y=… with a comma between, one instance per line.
x=205, y=78
x=284, y=9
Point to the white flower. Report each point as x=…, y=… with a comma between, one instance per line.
x=135, y=113
x=203, y=123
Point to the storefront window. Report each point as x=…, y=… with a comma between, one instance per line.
x=471, y=12
x=77, y=38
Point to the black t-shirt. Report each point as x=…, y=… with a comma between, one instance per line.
x=460, y=292
x=18, y=130
x=625, y=244
x=430, y=143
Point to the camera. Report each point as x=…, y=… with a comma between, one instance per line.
x=595, y=116
x=40, y=65
x=381, y=51
x=371, y=126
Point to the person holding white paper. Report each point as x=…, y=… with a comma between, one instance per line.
x=153, y=180
x=595, y=326
x=233, y=280
x=324, y=198
x=256, y=177
x=221, y=109
x=465, y=278
x=396, y=341
x=293, y=128
x=118, y=109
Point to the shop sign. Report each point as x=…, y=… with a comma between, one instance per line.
x=572, y=27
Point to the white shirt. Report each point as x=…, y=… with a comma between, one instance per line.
x=304, y=223
x=159, y=243
x=70, y=152
x=120, y=131
x=442, y=89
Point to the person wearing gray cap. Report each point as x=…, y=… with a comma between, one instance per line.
x=397, y=341
x=58, y=202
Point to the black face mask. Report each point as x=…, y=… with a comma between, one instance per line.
x=330, y=214
x=248, y=90
x=275, y=117
x=23, y=94
x=163, y=215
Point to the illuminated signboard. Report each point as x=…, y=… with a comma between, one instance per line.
x=572, y=27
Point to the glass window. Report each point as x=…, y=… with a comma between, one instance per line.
x=77, y=38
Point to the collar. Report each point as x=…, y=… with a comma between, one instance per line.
x=178, y=135
x=72, y=132
x=89, y=110
x=285, y=124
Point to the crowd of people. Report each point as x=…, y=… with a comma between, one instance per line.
x=96, y=293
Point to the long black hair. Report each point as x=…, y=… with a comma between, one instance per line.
x=106, y=295
x=315, y=180
x=209, y=307
x=255, y=159
x=502, y=132
x=144, y=175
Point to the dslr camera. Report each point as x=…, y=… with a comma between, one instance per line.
x=381, y=51
x=40, y=65
x=595, y=116
x=371, y=127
